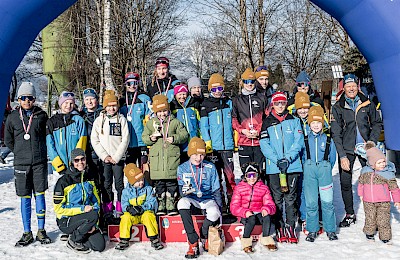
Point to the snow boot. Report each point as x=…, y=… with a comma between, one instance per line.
x=26, y=239
x=387, y=242
x=64, y=237
x=247, y=244
x=78, y=247
x=118, y=209
x=370, y=238
x=269, y=243
x=170, y=205
x=123, y=244
x=42, y=237
x=311, y=236
x=204, y=243
x=332, y=236
x=291, y=235
x=161, y=211
x=156, y=244
x=281, y=236
x=193, y=251
x=348, y=220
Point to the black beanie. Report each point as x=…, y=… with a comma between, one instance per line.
x=77, y=152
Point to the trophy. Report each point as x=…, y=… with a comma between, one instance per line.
x=156, y=132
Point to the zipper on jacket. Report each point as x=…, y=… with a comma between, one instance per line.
x=316, y=149
x=372, y=190
x=251, y=194
x=251, y=119
x=222, y=122
x=83, y=190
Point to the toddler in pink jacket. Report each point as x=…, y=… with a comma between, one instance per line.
x=252, y=202
x=376, y=187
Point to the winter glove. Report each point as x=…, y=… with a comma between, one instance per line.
x=134, y=210
x=209, y=146
x=283, y=164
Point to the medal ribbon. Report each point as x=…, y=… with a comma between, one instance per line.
x=23, y=123
x=133, y=102
x=165, y=136
x=198, y=185
x=159, y=89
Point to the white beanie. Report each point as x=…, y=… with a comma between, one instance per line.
x=26, y=89
x=193, y=81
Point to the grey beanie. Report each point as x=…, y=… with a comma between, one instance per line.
x=26, y=89
x=193, y=81
x=77, y=152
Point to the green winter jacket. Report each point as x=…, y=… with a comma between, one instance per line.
x=164, y=161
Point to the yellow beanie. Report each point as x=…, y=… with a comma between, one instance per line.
x=160, y=102
x=133, y=173
x=301, y=100
x=316, y=113
x=215, y=80
x=248, y=74
x=196, y=146
x=109, y=97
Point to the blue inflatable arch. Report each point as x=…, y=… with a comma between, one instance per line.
x=372, y=24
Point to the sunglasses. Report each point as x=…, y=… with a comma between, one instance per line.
x=250, y=175
x=280, y=103
x=133, y=83
x=30, y=98
x=302, y=84
x=249, y=81
x=83, y=159
x=89, y=91
x=260, y=68
x=220, y=88
x=68, y=94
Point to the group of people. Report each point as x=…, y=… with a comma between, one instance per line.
x=175, y=147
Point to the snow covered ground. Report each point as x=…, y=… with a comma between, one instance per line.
x=351, y=244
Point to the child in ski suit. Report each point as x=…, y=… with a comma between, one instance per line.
x=139, y=206
x=281, y=142
x=217, y=131
x=110, y=139
x=377, y=186
x=186, y=109
x=318, y=160
x=199, y=187
x=164, y=133
x=252, y=202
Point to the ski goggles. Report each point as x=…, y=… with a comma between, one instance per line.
x=249, y=81
x=132, y=83
x=68, y=94
x=303, y=84
x=30, y=98
x=250, y=175
x=260, y=68
x=279, y=103
x=219, y=88
x=162, y=61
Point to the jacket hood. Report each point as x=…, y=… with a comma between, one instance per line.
x=303, y=77
x=387, y=173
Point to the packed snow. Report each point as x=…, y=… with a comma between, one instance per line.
x=351, y=244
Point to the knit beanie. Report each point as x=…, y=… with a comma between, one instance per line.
x=303, y=77
x=109, y=97
x=373, y=154
x=248, y=74
x=89, y=92
x=162, y=62
x=278, y=96
x=301, y=100
x=66, y=95
x=350, y=78
x=196, y=146
x=77, y=152
x=133, y=173
x=160, y=102
x=261, y=71
x=180, y=88
x=316, y=113
x=215, y=80
x=250, y=167
x=193, y=82
x=26, y=89
x=131, y=76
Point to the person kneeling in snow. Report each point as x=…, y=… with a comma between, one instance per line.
x=199, y=187
x=139, y=205
x=252, y=202
x=77, y=204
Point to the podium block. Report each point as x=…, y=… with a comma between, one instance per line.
x=138, y=233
